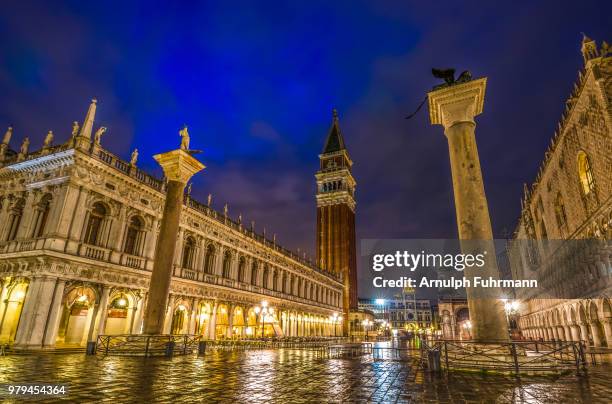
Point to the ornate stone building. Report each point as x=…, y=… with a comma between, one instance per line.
x=567, y=215
x=78, y=230
x=336, y=252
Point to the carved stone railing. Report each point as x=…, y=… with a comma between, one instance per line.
x=94, y=252
x=133, y=261
x=243, y=286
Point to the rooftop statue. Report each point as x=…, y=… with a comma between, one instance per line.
x=48, y=139
x=134, y=157
x=24, y=146
x=7, y=136
x=75, y=129
x=98, y=135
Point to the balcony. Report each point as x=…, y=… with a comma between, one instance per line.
x=94, y=252
x=133, y=261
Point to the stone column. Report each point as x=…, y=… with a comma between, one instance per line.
x=35, y=311
x=607, y=326
x=597, y=338
x=575, y=331
x=230, y=321
x=54, y=314
x=584, y=333
x=455, y=107
x=98, y=320
x=178, y=166
x=168, y=315
x=212, y=323
x=139, y=315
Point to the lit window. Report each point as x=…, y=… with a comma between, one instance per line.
x=585, y=173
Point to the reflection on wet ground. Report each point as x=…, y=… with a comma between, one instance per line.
x=287, y=376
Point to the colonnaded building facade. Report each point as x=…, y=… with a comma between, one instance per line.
x=567, y=213
x=78, y=230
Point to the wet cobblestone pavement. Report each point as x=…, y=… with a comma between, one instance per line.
x=285, y=376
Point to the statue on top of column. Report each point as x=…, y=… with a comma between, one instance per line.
x=448, y=75
x=184, y=138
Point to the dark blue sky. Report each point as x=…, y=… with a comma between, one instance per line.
x=256, y=82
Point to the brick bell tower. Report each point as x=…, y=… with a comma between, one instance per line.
x=336, y=251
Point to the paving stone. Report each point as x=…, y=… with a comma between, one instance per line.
x=286, y=376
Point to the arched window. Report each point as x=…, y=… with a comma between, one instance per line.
x=254, y=273
x=266, y=273
x=241, y=265
x=133, y=236
x=560, y=213
x=15, y=215
x=188, y=253
x=585, y=173
x=227, y=261
x=93, y=232
x=209, y=259
x=275, y=280
x=42, y=215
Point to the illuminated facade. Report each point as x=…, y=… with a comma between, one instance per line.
x=78, y=230
x=571, y=200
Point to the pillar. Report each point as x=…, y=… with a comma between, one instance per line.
x=212, y=324
x=607, y=327
x=455, y=107
x=55, y=312
x=104, y=310
x=137, y=326
x=35, y=311
x=575, y=332
x=179, y=166
x=584, y=333
x=98, y=320
x=597, y=337
x=230, y=321
x=168, y=315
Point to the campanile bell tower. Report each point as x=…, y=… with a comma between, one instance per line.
x=336, y=251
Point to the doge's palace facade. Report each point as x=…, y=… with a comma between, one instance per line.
x=78, y=230
x=563, y=235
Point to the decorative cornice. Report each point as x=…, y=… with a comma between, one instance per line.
x=457, y=103
x=178, y=165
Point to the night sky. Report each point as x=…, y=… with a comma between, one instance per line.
x=256, y=83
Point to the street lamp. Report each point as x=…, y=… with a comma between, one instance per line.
x=511, y=308
x=334, y=320
x=264, y=310
x=366, y=324
x=468, y=327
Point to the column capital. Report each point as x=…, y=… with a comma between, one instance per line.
x=178, y=165
x=457, y=103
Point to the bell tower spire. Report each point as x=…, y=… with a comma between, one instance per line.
x=335, y=197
